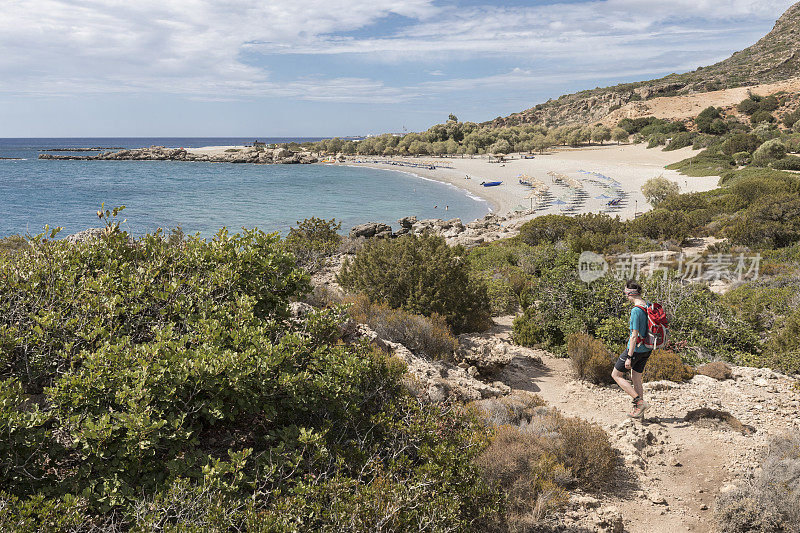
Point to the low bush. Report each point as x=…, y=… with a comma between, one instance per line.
x=662, y=225
x=532, y=481
x=709, y=162
x=680, y=140
x=740, y=142
x=427, y=336
x=12, y=244
x=667, y=365
x=421, y=275
x=590, y=358
x=717, y=370
x=762, y=116
x=535, y=462
x=768, y=152
x=783, y=348
x=791, y=162
x=313, y=240
x=770, y=501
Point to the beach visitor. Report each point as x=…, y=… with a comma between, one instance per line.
x=635, y=355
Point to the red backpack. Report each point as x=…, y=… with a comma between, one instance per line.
x=657, y=323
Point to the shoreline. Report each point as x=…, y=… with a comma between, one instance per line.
x=627, y=168
x=491, y=203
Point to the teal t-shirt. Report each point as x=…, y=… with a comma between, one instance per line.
x=638, y=322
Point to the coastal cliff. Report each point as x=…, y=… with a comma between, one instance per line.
x=160, y=153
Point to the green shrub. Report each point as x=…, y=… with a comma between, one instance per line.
x=710, y=121
x=666, y=365
x=740, y=142
x=118, y=289
x=12, y=244
x=768, y=152
x=783, y=348
x=656, y=139
x=742, y=158
x=790, y=119
x=662, y=224
x=762, y=116
x=791, y=162
x=422, y=335
x=709, y=162
x=173, y=393
x=422, y=275
x=772, y=221
x=748, y=106
x=591, y=360
x=313, y=241
x=681, y=140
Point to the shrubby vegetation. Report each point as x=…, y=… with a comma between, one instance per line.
x=656, y=190
x=426, y=336
x=537, y=454
x=421, y=275
x=770, y=501
x=149, y=385
x=313, y=240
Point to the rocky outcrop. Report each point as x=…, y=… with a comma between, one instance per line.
x=371, y=229
x=86, y=235
x=487, y=229
x=436, y=381
x=159, y=153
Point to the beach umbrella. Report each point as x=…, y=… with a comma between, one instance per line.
x=559, y=202
x=602, y=197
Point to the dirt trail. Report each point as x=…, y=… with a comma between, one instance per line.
x=670, y=470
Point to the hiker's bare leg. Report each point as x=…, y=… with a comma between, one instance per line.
x=624, y=384
x=637, y=383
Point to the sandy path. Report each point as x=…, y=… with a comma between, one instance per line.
x=630, y=165
x=671, y=471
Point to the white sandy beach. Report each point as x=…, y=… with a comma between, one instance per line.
x=630, y=166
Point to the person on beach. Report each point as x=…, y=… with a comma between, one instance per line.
x=635, y=355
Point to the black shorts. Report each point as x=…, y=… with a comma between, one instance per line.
x=637, y=363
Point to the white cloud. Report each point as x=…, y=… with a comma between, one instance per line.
x=198, y=47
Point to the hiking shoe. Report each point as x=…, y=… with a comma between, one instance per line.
x=639, y=407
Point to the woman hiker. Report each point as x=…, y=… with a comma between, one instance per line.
x=635, y=355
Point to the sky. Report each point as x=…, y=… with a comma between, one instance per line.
x=269, y=68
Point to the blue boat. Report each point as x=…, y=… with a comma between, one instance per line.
x=491, y=183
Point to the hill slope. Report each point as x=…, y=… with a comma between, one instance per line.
x=776, y=57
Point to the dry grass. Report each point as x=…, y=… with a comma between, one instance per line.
x=591, y=359
x=537, y=454
x=771, y=501
x=717, y=370
x=667, y=365
x=429, y=337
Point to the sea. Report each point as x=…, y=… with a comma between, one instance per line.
x=202, y=198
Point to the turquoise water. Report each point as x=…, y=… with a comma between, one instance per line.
x=203, y=197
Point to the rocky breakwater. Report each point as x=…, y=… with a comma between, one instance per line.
x=159, y=153
x=487, y=229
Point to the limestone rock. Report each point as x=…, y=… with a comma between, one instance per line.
x=368, y=230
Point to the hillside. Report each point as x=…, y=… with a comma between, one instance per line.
x=774, y=58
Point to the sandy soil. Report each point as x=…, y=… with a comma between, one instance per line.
x=630, y=166
x=684, y=107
